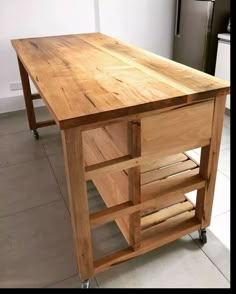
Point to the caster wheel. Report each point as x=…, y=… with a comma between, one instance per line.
x=85, y=284
x=36, y=134
x=203, y=236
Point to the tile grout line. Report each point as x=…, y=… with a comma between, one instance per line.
x=49, y=162
x=223, y=174
x=194, y=240
x=59, y=281
x=220, y=214
x=24, y=162
x=96, y=282
x=29, y=208
x=13, y=133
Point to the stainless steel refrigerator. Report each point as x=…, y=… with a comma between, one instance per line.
x=198, y=22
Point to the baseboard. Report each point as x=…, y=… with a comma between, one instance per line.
x=10, y=104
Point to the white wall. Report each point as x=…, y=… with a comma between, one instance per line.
x=145, y=23
x=29, y=18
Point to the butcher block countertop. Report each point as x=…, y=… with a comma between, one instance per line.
x=88, y=78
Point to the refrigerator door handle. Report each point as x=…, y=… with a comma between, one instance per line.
x=177, y=18
x=210, y=16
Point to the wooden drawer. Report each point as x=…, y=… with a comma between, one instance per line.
x=178, y=130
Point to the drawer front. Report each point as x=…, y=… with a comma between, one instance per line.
x=178, y=130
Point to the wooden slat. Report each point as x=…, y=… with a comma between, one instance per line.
x=185, y=182
x=109, y=166
x=35, y=96
x=165, y=227
x=45, y=123
x=165, y=161
x=124, y=163
x=168, y=231
x=158, y=174
x=118, y=211
x=164, y=214
x=74, y=165
x=208, y=165
x=191, y=158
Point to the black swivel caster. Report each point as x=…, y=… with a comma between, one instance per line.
x=36, y=134
x=85, y=284
x=203, y=236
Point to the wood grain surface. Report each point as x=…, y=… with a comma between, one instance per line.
x=92, y=77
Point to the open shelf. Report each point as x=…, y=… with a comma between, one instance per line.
x=166, y=232
x=166, y=213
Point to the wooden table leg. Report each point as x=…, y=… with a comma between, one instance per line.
x=74, y=163
x=27, y=95
x=134, y=141
x=208, y=165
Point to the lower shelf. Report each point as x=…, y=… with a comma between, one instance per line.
x=159, y=235
x=171, y=217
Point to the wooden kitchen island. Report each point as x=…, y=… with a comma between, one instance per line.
x=127, y=117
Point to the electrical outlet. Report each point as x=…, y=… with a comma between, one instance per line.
x=15, y=86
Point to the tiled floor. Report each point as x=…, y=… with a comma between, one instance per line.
x=36, y=245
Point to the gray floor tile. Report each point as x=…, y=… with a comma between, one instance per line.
x=27, y=185
x=13, y=122
x=36, y=247
x=216, y=251
x=227, y=121
x=17, y=121
x=95, y=201
x=73, y=282
x=180, y=264
x=220, y=226
x=57, y=163
x=225, y=139
x=224, y=162
x=41, y=113
x=51, y=140
x=107, y=239
x=19, y=147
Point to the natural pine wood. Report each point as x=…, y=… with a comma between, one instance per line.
x=163, y=162
x=178, y=130
x=208, y=165
x=155, y=175
x=112, y=213
x=74, y=164
x=27, y=95
x=134, y=182
x=88, y=77
x=45, y=123
x=164, y=214
x=185, y=182
x=164, y=233
x=126, y=117
x=35, y=97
